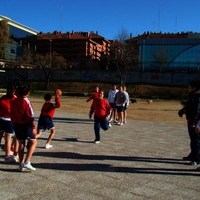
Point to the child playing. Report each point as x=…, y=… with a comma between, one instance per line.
x=101, y=110
x=6, y=126
x=46, y=117
x=94, y=95
x=22, y=117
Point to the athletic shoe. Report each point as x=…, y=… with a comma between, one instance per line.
x=125, y=122
x=22, y=168
x=96, y=141
x=9, y=159
x=48, y=146
x=120, y=123
x=110, y=125
x=28, y=165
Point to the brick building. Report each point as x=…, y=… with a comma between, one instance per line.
x=75, y=47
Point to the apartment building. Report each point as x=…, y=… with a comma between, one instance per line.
x=75, y=47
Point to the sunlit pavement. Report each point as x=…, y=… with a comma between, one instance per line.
x=139, y=160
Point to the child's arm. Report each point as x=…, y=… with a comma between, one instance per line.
x=57, y=101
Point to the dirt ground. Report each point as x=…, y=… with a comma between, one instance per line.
x=158, y=110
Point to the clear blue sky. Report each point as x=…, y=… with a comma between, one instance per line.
x=107, y=17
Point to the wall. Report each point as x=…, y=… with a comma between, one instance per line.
x=165, y=79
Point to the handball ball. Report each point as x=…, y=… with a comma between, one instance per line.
x=59, y=92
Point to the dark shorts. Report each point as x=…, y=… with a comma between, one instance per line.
x=125, y=107
x=45, y=122
x=112, y=105
x=23, y=132
x=6, y=126
x=120, y=108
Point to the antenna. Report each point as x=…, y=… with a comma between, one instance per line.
x=176, y=24
x=159, y=19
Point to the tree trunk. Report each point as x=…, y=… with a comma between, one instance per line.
x=48, y=79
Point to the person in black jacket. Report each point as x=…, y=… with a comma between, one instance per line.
x=192, y=111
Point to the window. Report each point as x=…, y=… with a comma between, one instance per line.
x=12, y=51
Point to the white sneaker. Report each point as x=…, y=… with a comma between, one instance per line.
x=22, y=168
x=120, y=123
x=96, y=141
x=29, y=166
x=110, y=125
x=48, y=146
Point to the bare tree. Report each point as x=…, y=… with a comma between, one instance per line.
x=122, y=55
x=43, y=63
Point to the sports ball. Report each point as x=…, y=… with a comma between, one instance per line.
x=59, y=92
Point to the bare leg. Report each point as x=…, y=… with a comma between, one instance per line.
x=51, y=135
x=39, y=134
x=21, y=150
x=8, y=138
x=1, y=136
x=16, y=146
x=31, y=149
x=115, y=114
x=125, y=115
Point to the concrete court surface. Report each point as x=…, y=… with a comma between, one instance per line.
x=138, y=161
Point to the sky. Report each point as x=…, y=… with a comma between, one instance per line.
x=108, y=18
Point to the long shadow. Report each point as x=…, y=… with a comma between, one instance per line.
x=67, y=140
x=71, y=155
x=71, y=120
x=109, y=168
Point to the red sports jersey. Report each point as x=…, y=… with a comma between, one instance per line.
x=5, y=107
x=101, y=108
x=22, y=111
x=48, y=108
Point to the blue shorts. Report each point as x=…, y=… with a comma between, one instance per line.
x=6, y=126
x=45, y=122
x=23, y=132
